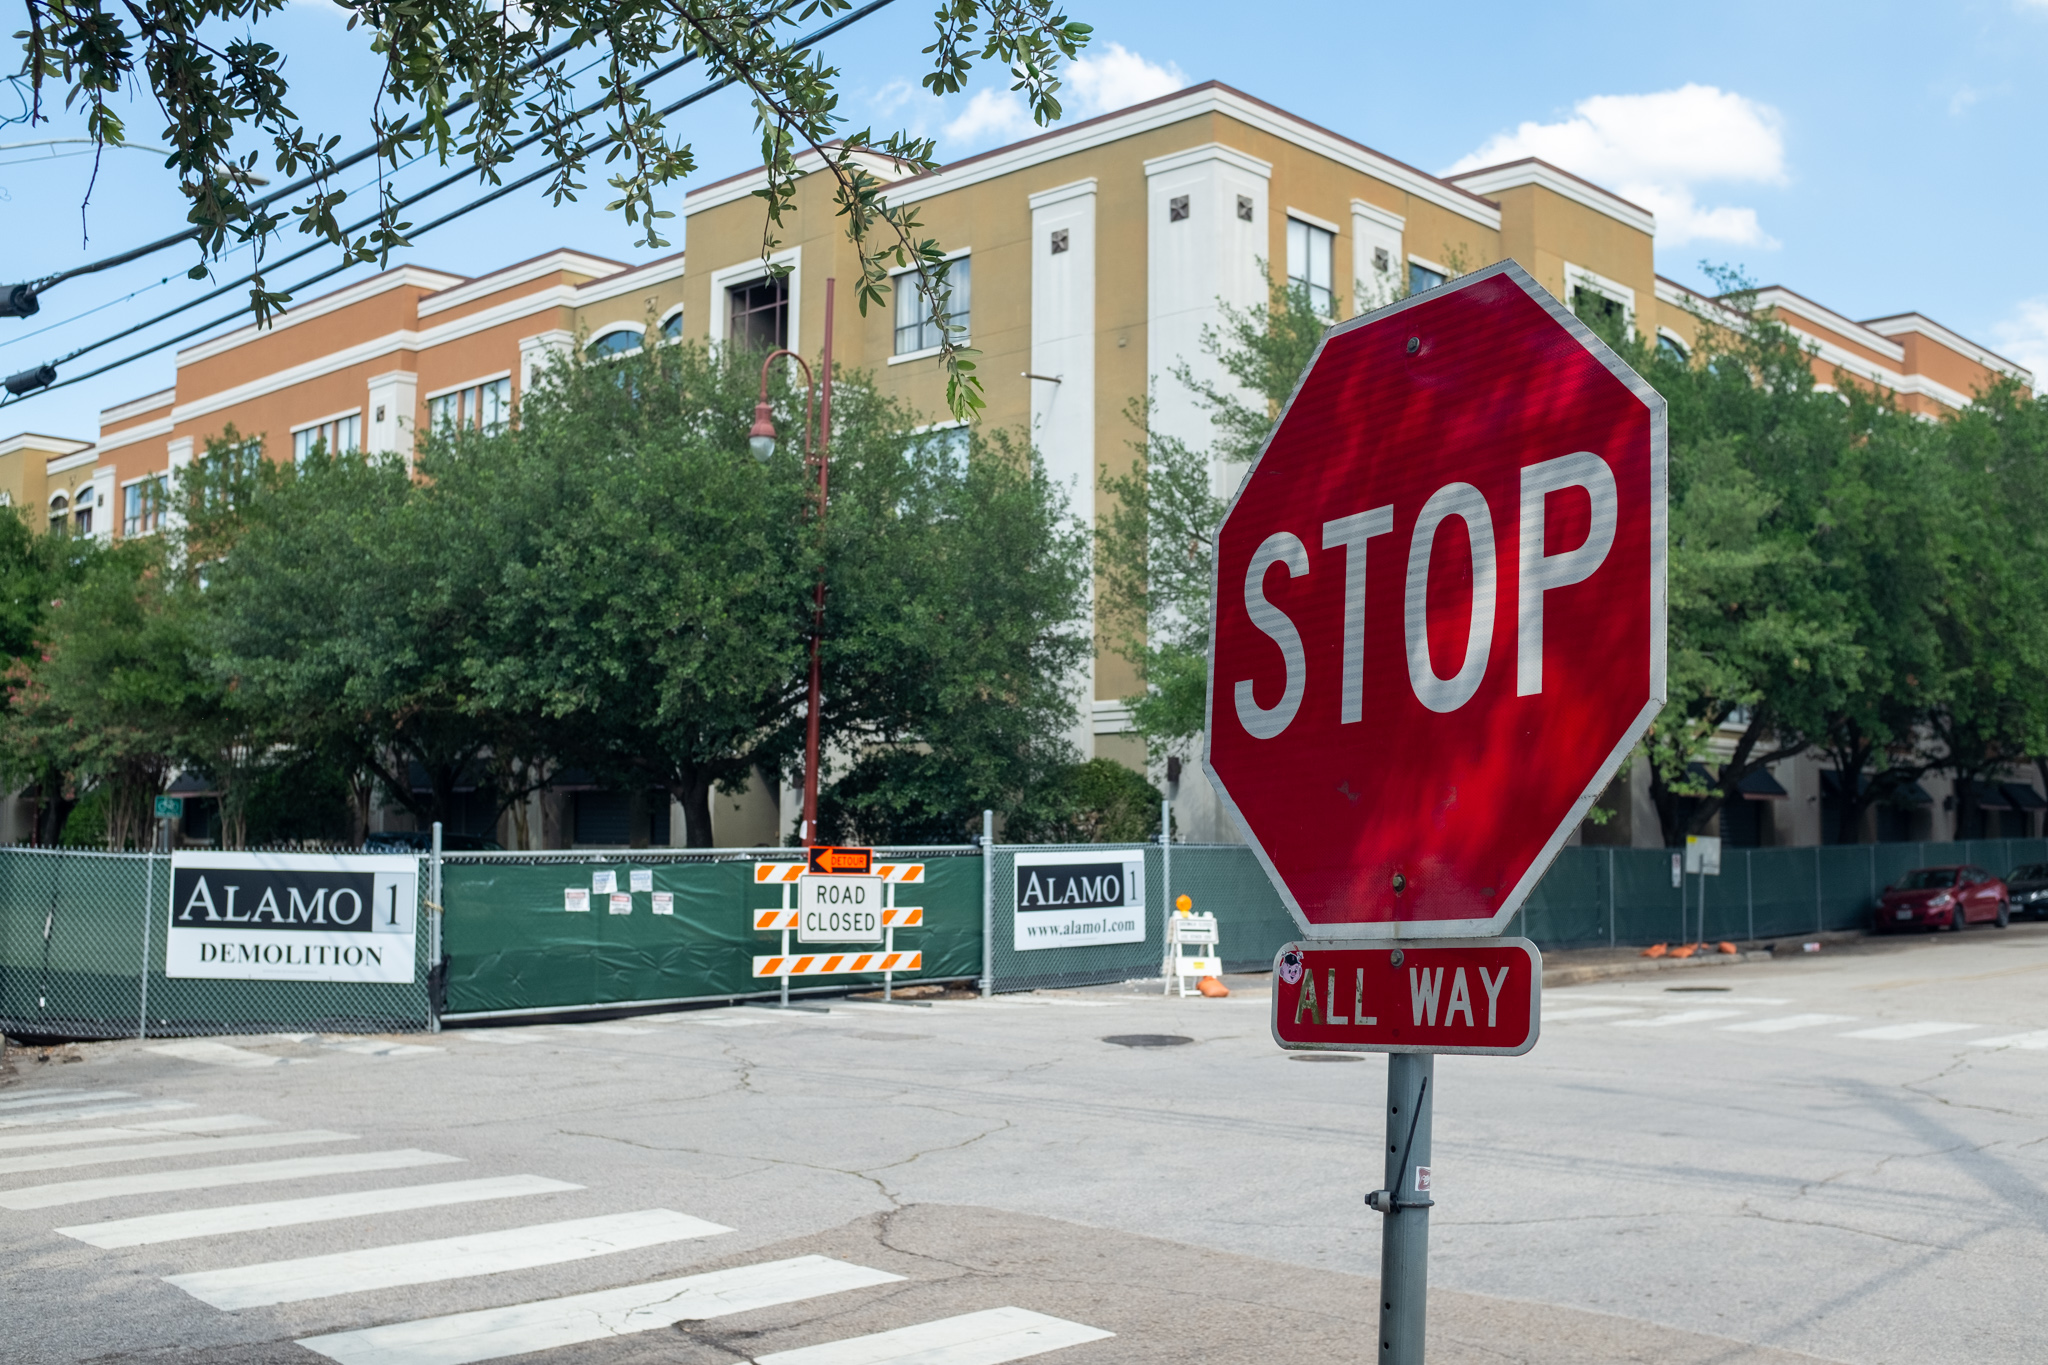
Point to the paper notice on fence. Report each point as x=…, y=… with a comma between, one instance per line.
x=575, y=900
x=622, y=903
x=664, y=902
x=603, y=883
x=643, y=879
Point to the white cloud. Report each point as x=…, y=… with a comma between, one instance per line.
x=991, y=116
x=1109, y=77
x=1114, y=77
x=2023, y=338
x=1655, y=149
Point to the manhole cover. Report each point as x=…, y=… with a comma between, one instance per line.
x=1323, y=1057
x=1147, y=1039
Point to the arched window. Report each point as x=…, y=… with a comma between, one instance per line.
x=1672, y=346
x=81, y=511
x=60, y=513
x=620, y=342
x=672, y=329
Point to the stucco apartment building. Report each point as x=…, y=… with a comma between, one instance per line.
x=1088, y=262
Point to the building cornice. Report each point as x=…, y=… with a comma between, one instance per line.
x=1785, y=301
x=318, y=308
x=559, y=261
x=1531, y=171
x=131, y=435
x=626, y=281
x=1900, y=323
x=136, y=407
x=57, y=446
x=743, y=185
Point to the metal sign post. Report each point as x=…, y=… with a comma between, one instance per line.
x=1404, y=1235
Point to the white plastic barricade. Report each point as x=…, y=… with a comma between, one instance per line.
x=1184, y=930
x=789, y=918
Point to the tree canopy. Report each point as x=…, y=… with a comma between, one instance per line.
x=1844, y=575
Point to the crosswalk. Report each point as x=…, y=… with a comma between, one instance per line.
x=1758, y=1015
x=240, y=1284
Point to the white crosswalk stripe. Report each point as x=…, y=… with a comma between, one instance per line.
x=493, y=1332
x=208, y=1123
x=2029, y=1042
x=153, y=1229
x=1786, y=1023
x=96, y=1156
x=503, y=1037
x=986, y=1338
x=220, y=1054
x=115, y=1109
x=1551, y=1016
x=1895, y=1033
x=214, y=1177
x=1673, y=1020
x=371, y=1047
x=449, y=1258
x=35, y=1099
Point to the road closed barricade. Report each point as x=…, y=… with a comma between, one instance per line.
x=840, y=896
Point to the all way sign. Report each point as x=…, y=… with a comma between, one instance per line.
x=1459, y=995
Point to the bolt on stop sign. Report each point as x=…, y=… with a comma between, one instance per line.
x=1439, y=610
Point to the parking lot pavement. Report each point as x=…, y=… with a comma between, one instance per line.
x=1840, y=1155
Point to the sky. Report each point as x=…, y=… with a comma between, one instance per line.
x=1876, y=157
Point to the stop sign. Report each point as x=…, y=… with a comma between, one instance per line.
x=1439, y=610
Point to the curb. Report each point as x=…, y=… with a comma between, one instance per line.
x=1604, y=971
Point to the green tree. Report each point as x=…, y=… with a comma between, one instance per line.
x=36, y=572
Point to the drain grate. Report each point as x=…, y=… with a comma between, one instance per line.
x=1147, y=1039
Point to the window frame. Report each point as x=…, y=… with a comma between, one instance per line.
x=953, y=260
x=1415, y=262
x=459, y=392
x=615, y=329
x=1313, y=233
x=151, y=490
x=781, y=341
x=1577, y=277
x=320, y=425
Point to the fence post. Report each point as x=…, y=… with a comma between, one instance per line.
x=434, y=929
x=1819, y=918
x=1749, y=888
x=988, y=904
x=148, y=909
x=1610, y=895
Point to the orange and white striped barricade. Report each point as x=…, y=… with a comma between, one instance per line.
x=790, y=877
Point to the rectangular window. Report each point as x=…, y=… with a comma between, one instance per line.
x=1310, y=254
x=1421, y=279
x=915, y=330
x=336, y=437
x=485, y=407
x=1597, y=309
x=757, y=315
x=142, y=507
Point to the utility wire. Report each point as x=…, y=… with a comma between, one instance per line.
x=188, y=234
x=584, y=150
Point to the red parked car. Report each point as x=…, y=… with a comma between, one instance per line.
x=1943, y=898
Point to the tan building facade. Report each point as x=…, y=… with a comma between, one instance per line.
x=1088, y=263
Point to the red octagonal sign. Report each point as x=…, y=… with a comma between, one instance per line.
x=1439, y=610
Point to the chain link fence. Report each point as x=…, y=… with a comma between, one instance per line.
x=514, y=948
x=82, y=956
x=82, y=934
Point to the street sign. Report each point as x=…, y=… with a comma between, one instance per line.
x=839, y=910
x=170, y=808
x=1454, y=995
x=1439, y=610
x=827, y=861
x=1703, y=854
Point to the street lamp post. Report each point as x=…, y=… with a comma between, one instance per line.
x=761, y=440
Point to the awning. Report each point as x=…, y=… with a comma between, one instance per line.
x=1989, y=796
x=2023, y=797
x=1761, y=786
x=1912, y=794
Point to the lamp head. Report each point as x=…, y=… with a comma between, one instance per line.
x=761, y=439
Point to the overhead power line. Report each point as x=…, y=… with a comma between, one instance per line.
x=43, y=378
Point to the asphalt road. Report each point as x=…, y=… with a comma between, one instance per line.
x=1837, y=1157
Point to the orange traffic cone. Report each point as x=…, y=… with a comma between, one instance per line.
x=1656, y=950
x=1212, y=987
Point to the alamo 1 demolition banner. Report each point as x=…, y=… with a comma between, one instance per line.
x=1070, y=900
x=293, y=916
